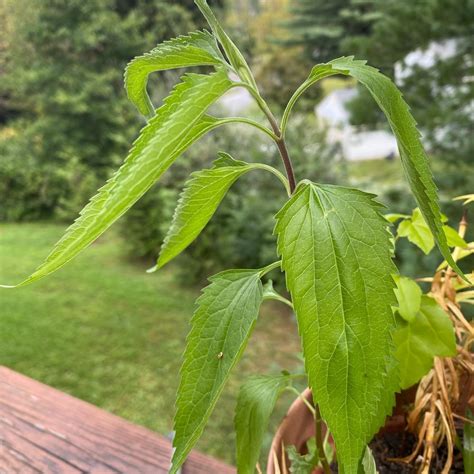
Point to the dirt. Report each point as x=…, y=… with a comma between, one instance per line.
x=401, y=444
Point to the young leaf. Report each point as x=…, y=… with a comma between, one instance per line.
x=453, y=238
x=255, y=404
x=233, y=53
x=412, y=153
x=408, y=295
x=201, y=197
x=177, y=125
x=336, y=252
x=368, y=462
x=198, y=202
x=416, y=230
x=392, y=218
x=221, y=326
x=197, y=49
x=428, y=335
x=302, y=464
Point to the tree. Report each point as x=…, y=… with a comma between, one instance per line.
x=326, y=29
x=62, y=75
x=439, y=92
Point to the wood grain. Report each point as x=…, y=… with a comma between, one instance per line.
x=43, y=430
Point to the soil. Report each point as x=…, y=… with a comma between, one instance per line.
x=401, y=444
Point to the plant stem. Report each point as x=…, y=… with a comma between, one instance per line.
x=319, y=440
x=281, y=144
x=275, y=172
x=253, y=123
x=270, y=267
x=287, y=162
x=280, y=139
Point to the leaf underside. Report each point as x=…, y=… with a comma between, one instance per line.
x=368, y=462
x=336, y=252
x=198, y=202
x=408, y=295
x=430, y=333
x=177, y=125
x=196, y=49
x=221, y=326
x=417, y=231
x=412, y=154
x=255, y=404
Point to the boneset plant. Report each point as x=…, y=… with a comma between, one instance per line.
x=334, y=244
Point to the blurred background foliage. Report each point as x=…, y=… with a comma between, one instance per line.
x=66, y=124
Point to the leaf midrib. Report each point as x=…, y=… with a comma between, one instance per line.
x=328, y=226
x=219, y=390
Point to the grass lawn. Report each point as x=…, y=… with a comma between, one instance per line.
x=376, y=175
x=104, y=331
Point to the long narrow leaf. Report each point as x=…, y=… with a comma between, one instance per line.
x=413, y=156
x=336, y=252
x=176, y=125
x=233, y=53
x=199, y=201
x=255, y=404
x=221, y=326
x=196, y=49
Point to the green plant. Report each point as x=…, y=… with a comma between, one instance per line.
x=434, y=340
x=334, y=243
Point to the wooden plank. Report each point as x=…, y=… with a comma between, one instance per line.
x=44, y=430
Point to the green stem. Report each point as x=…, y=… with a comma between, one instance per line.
x=286, y=114
x=253, y=123
x=270, y=267
x=319, y=440
x=277, y=173
x=281, y=299
x=279, y=139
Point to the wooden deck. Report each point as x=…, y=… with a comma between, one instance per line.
x=43, y=430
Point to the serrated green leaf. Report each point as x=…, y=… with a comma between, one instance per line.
x=395, y=217
x=336, y=252
x=413, y=156
x=416, y=230
x=417, y=342
x=201, y=197
x=176, y=126
x=233, y=53
x=198, y=202
x=408, y=295
x=468, y=444
x=453, y=238
x=255, y=404
x=196, y=49
x=221, y=326
x=368, y=462
x=302, y=464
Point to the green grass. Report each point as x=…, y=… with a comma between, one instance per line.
x=104, y=331
x=375, y=174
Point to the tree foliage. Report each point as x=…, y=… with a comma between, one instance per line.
x=62, y=85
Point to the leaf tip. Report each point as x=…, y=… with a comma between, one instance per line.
x=153, y=269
